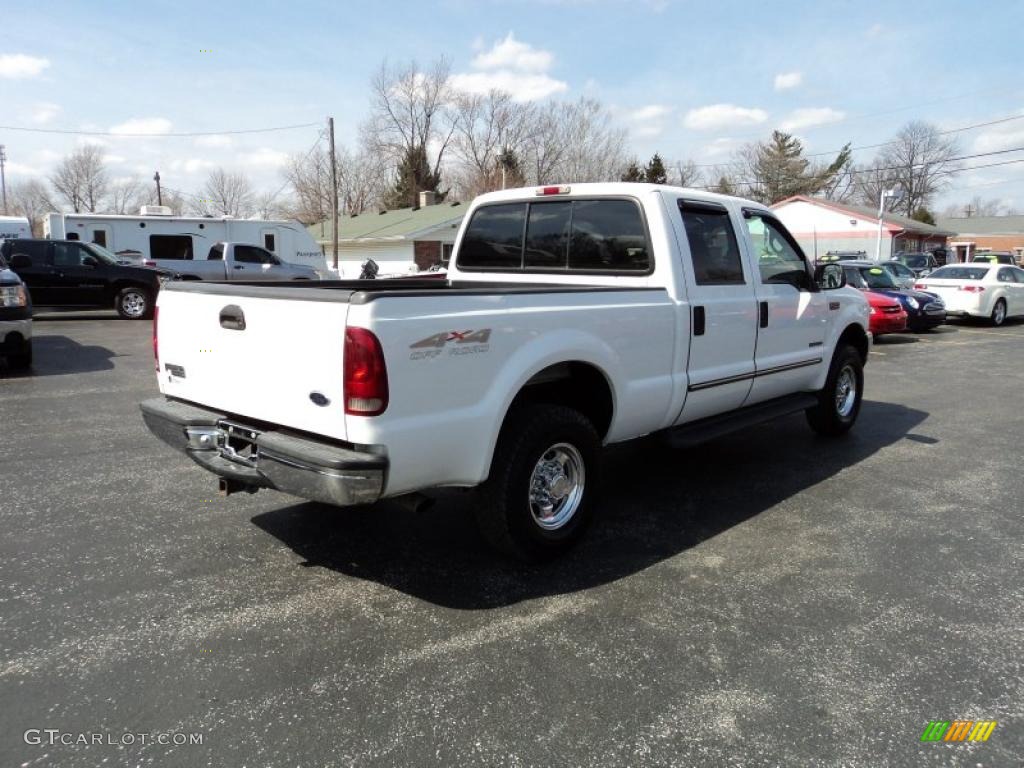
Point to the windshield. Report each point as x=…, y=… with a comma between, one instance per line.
x=101, y=253
x=878, y=278
x=915, y=260
x=959, y=273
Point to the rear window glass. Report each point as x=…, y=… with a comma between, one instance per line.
x=714, y=252
x=573, y=235
x=547, y=235
x=494, y=238
x=608, y=235
x=958, y=273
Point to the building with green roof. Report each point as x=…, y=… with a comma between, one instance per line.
x=400, y=241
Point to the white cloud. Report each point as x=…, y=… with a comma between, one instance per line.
x=875, y=30
x=190, y=165
x=809, y=117
x=1005, y=136
x=15, y=66
x=513, y=54
x=43, y=112
x=513, y=66
x=264, y=157
x=718, y=116
x=784, y=81
x=145, y=126
x=720, y=148
x=648, y=121
x=218, y=141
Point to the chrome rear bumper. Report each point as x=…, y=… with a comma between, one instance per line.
x=265, y=458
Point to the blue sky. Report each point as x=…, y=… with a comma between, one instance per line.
x=689, y=79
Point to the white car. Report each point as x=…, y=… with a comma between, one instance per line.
x=992, y=291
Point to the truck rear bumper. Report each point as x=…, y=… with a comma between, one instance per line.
x=266, y=458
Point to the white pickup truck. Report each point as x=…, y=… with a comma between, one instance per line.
x=570, y=317
x=234, y=261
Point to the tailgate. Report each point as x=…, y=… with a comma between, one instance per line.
x=254, y=354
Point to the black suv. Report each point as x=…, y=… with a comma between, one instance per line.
x=68, y=273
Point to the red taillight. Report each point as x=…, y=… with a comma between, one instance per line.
x=542, y=191
x=148, y=263
x=919, y=286
x=156, y=349
x=972, y=288
x=366, y=376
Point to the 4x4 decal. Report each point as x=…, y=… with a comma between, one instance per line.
x=455, y=342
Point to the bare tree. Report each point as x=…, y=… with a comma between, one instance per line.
x=920, y=161
x=490, y=135
x=362, y=181
x=574, y=142
x=409, y=114
x=32, y=200
x=978, y=206
x=125, y=195
x=80, y=179
x=224, y=194
x=170, y=198
x=685, y=173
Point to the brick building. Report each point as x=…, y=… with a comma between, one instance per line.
x=401, y=241
x=985, y=233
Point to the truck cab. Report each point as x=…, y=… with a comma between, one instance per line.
x=235, y=261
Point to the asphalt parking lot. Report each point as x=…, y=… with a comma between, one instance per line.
x=771, y=598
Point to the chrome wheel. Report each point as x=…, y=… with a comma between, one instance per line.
x=133, y=304
x=999, y=313
x=846, y=391
x=556, y=486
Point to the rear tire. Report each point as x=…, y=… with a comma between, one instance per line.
x=21, y=361
x=134, y=303
x=839, y=401
x=536, y=503
x=998, y=316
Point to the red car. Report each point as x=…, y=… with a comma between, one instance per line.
x=887, y=314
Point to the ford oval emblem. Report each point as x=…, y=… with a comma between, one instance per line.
x=319, y=398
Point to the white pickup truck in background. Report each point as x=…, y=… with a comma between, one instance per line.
x=571, y=317
x=235, y=261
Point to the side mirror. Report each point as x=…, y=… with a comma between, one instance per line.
x=90, y=261
x=829, y=276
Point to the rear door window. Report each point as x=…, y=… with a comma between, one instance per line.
x=36, y=250
x=250, y=254
x=714, y=251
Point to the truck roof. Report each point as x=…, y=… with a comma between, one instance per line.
x=614, y=188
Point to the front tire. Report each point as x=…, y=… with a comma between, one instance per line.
x=134, y=303
x=536, y=503
x=998, y=316
x=839, y=401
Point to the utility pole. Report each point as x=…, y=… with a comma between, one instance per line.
x=334, y=191
x=881, y=213
x=3, y=178
x=159, y=197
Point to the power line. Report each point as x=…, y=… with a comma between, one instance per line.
x=894, y=141
x=858, y=171
x=232, y=132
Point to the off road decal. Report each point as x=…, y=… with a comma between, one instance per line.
x=471, y=342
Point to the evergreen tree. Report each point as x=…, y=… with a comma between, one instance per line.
x=724, y=186
x=633, y=172
x=782, y=171
x=655, y=172
x=509, y=169
x=413, y=176
x=923, y=215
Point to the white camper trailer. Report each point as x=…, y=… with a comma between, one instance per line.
x=12, y=227
x=154, y=234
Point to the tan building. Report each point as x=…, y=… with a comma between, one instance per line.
x=985, y=233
